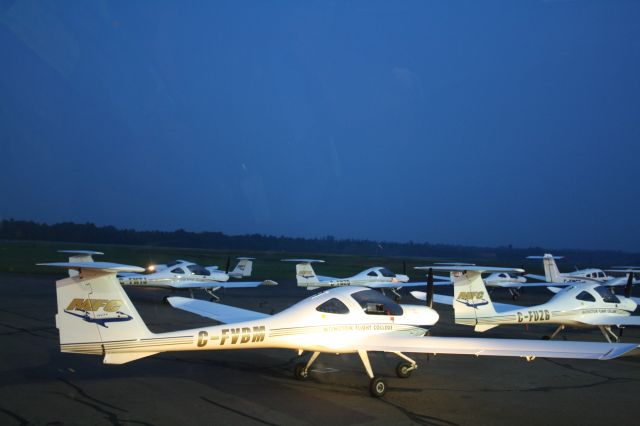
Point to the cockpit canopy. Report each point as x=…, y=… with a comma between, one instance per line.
x=374, y=303
x=381, y=272
x=198, y=270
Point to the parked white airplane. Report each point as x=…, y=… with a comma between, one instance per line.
x=582, y=306
x=513, y=283
x=553, y=275
x=377, y=277
x=95, y=316
x=185, y=275
x=242, y=269
x=180, y=275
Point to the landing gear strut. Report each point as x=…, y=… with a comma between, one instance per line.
x=555, y=333
x=301, y=370
x=404, y=369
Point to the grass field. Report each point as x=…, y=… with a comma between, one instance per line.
x=22, y=256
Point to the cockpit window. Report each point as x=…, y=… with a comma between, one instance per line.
x=586, y=296
x=503, y=275
x=374, y=303
x=174, y=263
x=607, y=295
x=198, y=270
x=333, y=306
x=386, y=273
x=177, y=271
x=372, y=274
x=601, y=274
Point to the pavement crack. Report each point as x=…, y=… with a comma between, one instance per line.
x=422, y=419
x=21, y=420
x=30, y=331
x=233, y=410
x=87, y=396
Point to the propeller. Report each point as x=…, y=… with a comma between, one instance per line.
x=430, y=288
x=226, y=271
x=404, y=267
x=627, y=288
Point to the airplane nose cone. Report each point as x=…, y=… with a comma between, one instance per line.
x=430, y=316
x=402, y=278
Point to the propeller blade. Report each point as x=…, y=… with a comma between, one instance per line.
x=627, y=288
x=430, y=288
x=620, y=331
x=226, y=271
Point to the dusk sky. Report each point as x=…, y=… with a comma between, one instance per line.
x=464, y=122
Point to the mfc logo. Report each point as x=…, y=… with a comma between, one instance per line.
x=234, y=335
x=470, y=295
x=92, y=305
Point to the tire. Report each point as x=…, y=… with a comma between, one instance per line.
x=165, y=300
x=299, y=371
x=403, y=370
x=546, y=337
x=377, y=387
x=515, y=297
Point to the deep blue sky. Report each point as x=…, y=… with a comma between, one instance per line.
x=482, y=123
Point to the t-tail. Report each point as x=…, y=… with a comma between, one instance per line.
x=243, y=268
x=551, y=272
x=471, y=301
x=305, y=275
x=95, y=315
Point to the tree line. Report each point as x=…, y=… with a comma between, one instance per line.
x=92, y=234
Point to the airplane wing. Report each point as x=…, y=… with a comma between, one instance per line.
x=448, y=300
x=399, y=284
x=536, y=277
x=493, y=347
x=223, y=313
x=616, y=320
x=218, y=284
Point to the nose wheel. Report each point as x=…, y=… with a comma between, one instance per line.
x=300, y=371
x=377, y=387
x=404, y=369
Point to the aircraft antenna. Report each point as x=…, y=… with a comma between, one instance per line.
x=430, y=288
x=627, y=288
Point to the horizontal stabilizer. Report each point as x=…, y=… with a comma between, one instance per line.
x=89, y=252
x=480, y=328
x=554, y=289
x=216, y=311
x=303, y=260
x=546, y=256
x=124, y=357
x=99, y=266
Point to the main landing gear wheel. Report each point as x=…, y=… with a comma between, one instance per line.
x=515, y=297
x=546, y=337
x=165, y=300
x=377, y=387
x=300, y=372
x=403, y=370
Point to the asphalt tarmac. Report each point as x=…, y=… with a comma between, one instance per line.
x=40, y=385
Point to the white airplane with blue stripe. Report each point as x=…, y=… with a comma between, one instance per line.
x=581, y=305
x=96, y=317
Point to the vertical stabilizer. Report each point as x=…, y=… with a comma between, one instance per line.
x=471, y=299
x=93, y=309
x=243, y=268
x=551, y=272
